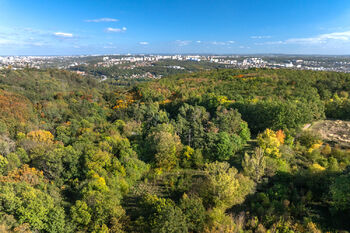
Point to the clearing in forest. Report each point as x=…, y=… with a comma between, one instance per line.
x=333, y=131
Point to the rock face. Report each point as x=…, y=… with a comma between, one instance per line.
x=335, y=131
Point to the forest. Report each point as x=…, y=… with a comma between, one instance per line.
x=121, y=74
x=221, y=150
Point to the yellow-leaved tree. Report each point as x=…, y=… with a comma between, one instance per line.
x=41, y=136
x=270, y=142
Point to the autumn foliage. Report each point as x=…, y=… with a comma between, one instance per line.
x=41, y=136
x=25, y=174
x=214, y=151
x=15, y=109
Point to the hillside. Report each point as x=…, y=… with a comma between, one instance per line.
x=279, y=99
x=214, y=151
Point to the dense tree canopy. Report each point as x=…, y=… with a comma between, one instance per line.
x=214, y=151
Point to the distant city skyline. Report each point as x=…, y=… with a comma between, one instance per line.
x=65, y=27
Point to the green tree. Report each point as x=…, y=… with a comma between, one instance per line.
x=224, y=148
x=194, y=212
x=80, y=214
x=165, y=145
x=192, y=124
x=340, y=192
x=254, y=165
x=169, y=219
x=222, y=185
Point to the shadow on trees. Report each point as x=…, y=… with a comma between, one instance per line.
x=297, y=198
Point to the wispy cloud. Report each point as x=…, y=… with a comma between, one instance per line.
x=320, y=39
x=5, y=41
x=123, y=29
x=260, y=37
x=143, y=43
x=101, y=20
x=20, y=39
x=109, y=47
x=14, y=42
x=223, y=42
x=323, y=38
x=218, y=43
x=183, y=42
x=198, y=41
x=63, y=34
x=271, y=42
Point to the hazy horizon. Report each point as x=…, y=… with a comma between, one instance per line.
x=182, y=54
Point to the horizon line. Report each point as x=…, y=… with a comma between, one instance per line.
x=183, y=54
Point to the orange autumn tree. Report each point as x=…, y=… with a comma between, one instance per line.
x=26, y=174
x=15, y=109
x=280, y=136
x=124, y=100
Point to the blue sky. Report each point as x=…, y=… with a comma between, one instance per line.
x=69, y=27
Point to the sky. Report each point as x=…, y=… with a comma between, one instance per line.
x=77, y=27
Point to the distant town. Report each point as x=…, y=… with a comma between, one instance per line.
x=176, y=62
